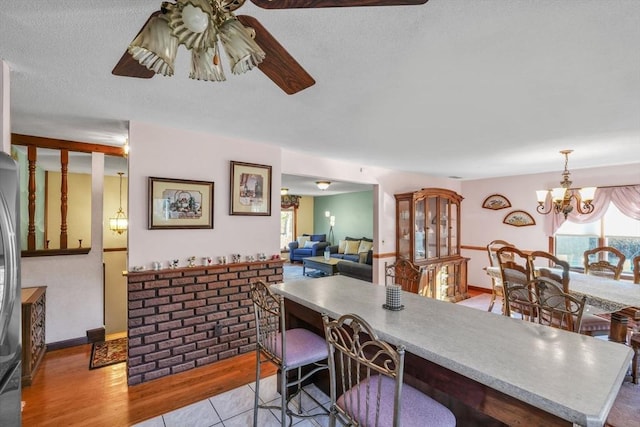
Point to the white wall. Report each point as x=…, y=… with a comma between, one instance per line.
x=480, y=226
x=170, y=153
x=74, y=297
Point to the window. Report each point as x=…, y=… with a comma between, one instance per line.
x=287, y=221
x=613, y=229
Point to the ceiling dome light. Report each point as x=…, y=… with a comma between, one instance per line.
x=323, y=185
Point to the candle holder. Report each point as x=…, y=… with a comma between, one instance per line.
x=394, y=298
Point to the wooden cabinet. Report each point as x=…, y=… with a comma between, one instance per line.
x=33, y=331
x=428, y=235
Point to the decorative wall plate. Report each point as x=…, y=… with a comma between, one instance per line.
x=495, y=202
x=519, y=219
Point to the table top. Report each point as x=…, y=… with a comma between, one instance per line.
x=573, y=376
x=606, y=294
x=322, y=260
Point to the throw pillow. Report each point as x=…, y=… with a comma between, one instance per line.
x=362, y=257
x=309, y=244
x=302, y=240
x=342, y=244
x=364, y=246
x=352, y=247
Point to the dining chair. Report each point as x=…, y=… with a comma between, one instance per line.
x=403, y=273
x=290, y=350
x=635, y=262
x=545, y=264
x=366, y=381
x=634, y=341
x=556, y=307
x=601, y=261
x=497, y=290
x=515, y=269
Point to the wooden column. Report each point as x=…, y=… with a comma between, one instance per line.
x=64, y=169
x=31, y=228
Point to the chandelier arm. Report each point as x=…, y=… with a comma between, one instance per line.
x=542, y=210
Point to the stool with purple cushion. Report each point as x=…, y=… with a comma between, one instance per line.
x=289, y=350
x=371, y=391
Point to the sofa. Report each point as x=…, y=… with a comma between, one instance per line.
x=352, y=249
x=358, y=270
x=307, y=245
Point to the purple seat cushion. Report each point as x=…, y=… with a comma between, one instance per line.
x=593, y=323
x=303, y=347
x=418, y=409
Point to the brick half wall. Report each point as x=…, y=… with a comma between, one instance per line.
x=189, y=317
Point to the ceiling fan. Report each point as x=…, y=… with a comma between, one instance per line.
x=200, y=24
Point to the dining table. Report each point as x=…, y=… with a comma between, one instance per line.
x=619, y=298
x=488, y=369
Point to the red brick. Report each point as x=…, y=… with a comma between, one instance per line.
x=171, y=275
x=182, y=297
x=132, y=323
x=207, y=294
x=159, y=318
x=166, y=326
x=194, y=320
x=233, y=268
x=170, y=361
x=206, y=309
x=157, y=374
x=183, y=349
x=207, y=360
x=182, y=332
x=132, y=287
x=183, y=367
x=196, y=337
x=182, y=314
x=170, y=343
x=217, y=300
x=141, y=295
x=228, y=276
x=170, y=307
x=195, y=304
x=135, y=304
x=174, y=290
x=238, y=311
x=216, y=285
x=207, y=278
x=246, y=274
x=142, y=330
x=142, y=312
x=140, y=369
x=182, y=281
x=152, y=357
x=238, y=282
x=153, y=302
x=228, y=306
x=198, y=354
x=162, y=336
x=195, y=288
x=140, y=278
x=227, y=354
x=156, y=284
x=229, y=337
x=239, y=343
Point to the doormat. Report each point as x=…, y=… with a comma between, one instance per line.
x=105, y=353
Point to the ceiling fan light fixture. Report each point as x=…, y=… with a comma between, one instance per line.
x=155, y=47
x=205, y=65
x=191, y=23
x=243, y=52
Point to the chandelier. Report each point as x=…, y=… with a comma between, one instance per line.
x=198, y=25
x=119, y=223
x=564, y=198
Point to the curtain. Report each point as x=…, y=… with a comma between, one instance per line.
x=626, y=199
x=289, y=201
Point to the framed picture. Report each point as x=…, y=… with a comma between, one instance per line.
x=519, y=219
x=495, y=202
x=250, y=189
x=180, y=203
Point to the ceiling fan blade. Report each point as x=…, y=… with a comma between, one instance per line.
x=129, y=67
x=298, y=4
x=278, y=64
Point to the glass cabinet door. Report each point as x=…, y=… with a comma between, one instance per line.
x=404, y=228
x=432, y=227
x=453, y=229
x=443, y=226
x=420, y=243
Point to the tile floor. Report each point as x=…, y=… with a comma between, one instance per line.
x=235, y=409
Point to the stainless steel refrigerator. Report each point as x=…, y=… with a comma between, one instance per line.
x=10, y=300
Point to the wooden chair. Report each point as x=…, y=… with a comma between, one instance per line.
x=636, y=269
x=557, y=270
x=514, y=264
x=366, y=381
x=599, y=262
x=496, y=284
x=635, y=345
x=289, y=350
x=403, y=273
x=557, y=308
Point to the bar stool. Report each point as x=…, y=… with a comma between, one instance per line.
x=372, y=392
x=290, y=350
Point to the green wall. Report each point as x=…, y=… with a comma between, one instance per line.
x=353, y=212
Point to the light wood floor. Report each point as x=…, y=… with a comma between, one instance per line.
x=66, y=393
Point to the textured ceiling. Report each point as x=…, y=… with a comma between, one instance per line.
x=467, y=88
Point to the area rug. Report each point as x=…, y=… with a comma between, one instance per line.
x=105, y=353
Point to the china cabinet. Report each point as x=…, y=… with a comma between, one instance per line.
x=428, y=235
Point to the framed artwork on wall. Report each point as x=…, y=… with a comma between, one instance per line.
x=519, y=219
x=180, y=203
x=250, y=192
x=495, y=202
